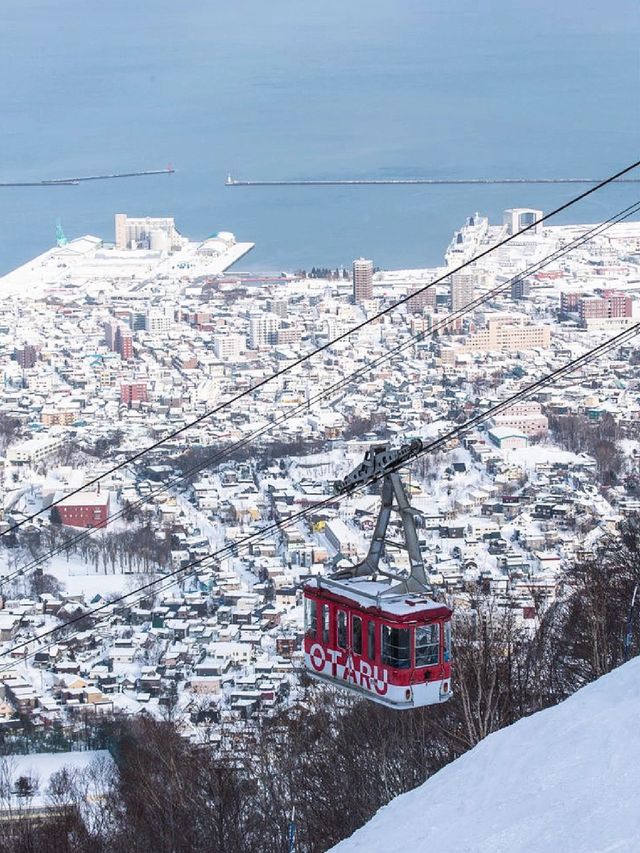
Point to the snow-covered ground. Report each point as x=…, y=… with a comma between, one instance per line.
x=86, y=260
x=564, y=779
x=77, y=577
x=78, y=580
x=536, y=454
x=39, y=769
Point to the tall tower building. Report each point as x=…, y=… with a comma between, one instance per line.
x=362, y=280
x=26, y=356
x=461, y=290
x=122, y=232
x=110, y=329
x=123, y=343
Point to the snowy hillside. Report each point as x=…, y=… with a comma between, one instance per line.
x=565, y=779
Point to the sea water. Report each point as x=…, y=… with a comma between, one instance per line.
x=313, y=89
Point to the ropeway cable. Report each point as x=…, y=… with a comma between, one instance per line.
x=343, y=381
x=233, y=548
x=283, y=371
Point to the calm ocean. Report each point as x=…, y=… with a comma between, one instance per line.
x=294, y=89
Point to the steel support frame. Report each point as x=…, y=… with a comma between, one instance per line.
x=416, y=581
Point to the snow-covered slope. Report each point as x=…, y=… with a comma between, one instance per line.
x=566, y=779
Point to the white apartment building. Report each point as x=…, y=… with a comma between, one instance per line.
x=517, y=218
x=263, y=330
x=228, y=347
x=525, y=417
x=508, y=335
x=34, y=450
x=340, y=537
x=159, y=318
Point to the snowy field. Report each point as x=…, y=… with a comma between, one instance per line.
x=40, y=767
x=563, y=779
x=79, y=578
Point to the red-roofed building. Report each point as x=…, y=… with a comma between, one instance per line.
x=83, y=510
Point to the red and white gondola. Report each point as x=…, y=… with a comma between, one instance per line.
x=373, y=630
x=393, y=648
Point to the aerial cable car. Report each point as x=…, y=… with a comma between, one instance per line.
x=374, y=631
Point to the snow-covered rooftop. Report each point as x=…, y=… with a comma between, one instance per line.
x=368, y=593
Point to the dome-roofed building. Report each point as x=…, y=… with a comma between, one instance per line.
x=217, y=244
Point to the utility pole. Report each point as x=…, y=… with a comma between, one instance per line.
x=292, y=831
x=629, y=632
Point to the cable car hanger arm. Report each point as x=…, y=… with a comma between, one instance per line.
x=379, y=459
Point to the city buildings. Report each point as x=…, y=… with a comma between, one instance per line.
x=611, y=305
x=58, y=416
x=362, y=280
x=229, y=346
x=118, y=338
x=159, y=318
x=425, y=300
x=35, y=450
x=123, y=343
x=128, y=359
x=26, y=356
x=520, y=289
x=462, y=289
x=525, y=417
x=146, y=232
x=110, y=329
x=507, y=334
x=598, y=310
x=263, y=330
x=133, y=393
